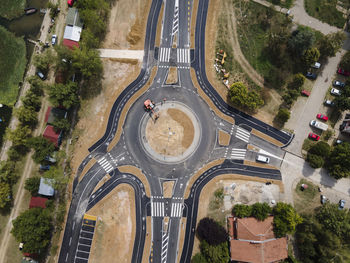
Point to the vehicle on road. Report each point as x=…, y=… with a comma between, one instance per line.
x=53, y=39
x=70, y=3
x=338, y=84
x=317, y=65
x=343, y=72
x=319, y=125
x=20, y=246
x=262, y=159
x=335, y=92
x=311, y=75
x=149, y=106
x=305, y=93
x=323, y=199
x=322, y=117
x=341, y=204
x=313, y=136
x=328, y=103
x=41, y=75
x=44, y=167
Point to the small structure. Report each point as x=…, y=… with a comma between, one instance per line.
x=345, y=126
x=53, y=114
x=28, y=260
x=254, y=241
x=72, y=33
x=52, y=135
x=45, y=187
x=73, y=18
x=37, y=202
x=70, y=44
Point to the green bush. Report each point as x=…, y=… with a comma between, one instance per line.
x=261, y=211
x=283, y=115
x=241, y=210
x=32, y=185
x=321, y=149
x=314, y=160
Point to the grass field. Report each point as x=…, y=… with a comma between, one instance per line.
x=306, y=200
x=12, y=66
x=325, y=10
x=10, y=9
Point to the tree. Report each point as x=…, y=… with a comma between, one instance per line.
x=199, y=258
x=301, y=40
x=19, y=136
x=37, y=86
x=64, y=95
x=215, y=254
x=32, y=228
x=314, y=160
x=5, y=195
x=283, y=115
x=339, y=162
x=32, y=185
x=31, y=100
x=61, y=124
x=64, y=58
x=330, y=44
x=345, y=61
x=241, y=210
x=211, y=231
x=297, y=82
x=59, y=180
x=8, y=172
x=240, y=95
x=321, y=149
x=27, y=115
x=285, y=219
x=44, y=60
x=261, y=211
x=88, y=62
x=342, y=102
x=89, y=40
x=311, y=56
x=42, y=148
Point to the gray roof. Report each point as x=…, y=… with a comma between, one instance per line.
x=73, y=18
x=45, y=187
x=56, y=114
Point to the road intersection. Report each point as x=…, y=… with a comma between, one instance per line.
x=131, y=149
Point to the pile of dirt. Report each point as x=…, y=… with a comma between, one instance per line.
x=135, y=33
x=187, y=125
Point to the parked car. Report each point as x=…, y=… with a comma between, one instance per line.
x=322, y=117
x=341, y=204
x=323, y=199
x=44, y=167
x=317, y=65
x=53, y=39
x=311, y=75
x=262, y=159
x=70, y=3
x=50, y=159
x=314, y=136
x=20, y=246
x=305, y=93
x=335, y=92
x=41, y=75
x=338, y=84
x=343, y=72
x=328, y=103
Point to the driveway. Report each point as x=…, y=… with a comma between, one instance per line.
x=306, y=108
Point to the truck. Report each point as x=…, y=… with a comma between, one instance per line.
x=319, y=125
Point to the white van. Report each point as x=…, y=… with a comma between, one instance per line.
x=262, y=159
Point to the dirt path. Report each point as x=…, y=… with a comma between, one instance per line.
x=237, y=52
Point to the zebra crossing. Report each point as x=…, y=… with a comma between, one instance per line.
x=157, y=209
x=164, y=252
x=183, y=55
x=176, y=18
x=105, y=164
x=237, y=154
x=176, y=210
x=164, y=54
x=242, y=134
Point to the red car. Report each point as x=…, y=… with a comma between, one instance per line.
x=343, y=72
x=322, y=117
x=313, y=136
x=305, y=93
x=70, y=2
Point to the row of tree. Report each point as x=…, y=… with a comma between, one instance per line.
x=334, y=159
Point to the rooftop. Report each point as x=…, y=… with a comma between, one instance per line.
x=73, y=18
x=45, y=187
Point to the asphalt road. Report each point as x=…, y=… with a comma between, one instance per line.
x=174, y=51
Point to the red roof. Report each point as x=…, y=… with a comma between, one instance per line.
x=50, y=134
x=47, y=113
x=254, y=241
x=37, y=202
x=70, y=43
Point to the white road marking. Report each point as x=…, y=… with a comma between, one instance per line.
x=242, y=134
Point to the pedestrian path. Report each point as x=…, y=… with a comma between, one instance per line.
x=165, y=242
x=157, y=208
x=164, y=54
x=176, y=210
x=236, y=154
x=242, y=134
x=105, y=164
x=176, y=18
x=183, y=55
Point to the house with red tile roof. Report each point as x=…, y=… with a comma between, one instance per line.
x=37, y=202
x=253, y=241
x=52, y=135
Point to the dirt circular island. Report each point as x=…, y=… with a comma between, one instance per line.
x=173, y=136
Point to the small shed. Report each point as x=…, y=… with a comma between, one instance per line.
x=52, y=135
x=53, y=114
x=70, y=43
x=72, y=33
x=27, y=259
x=37, y=202
x=45, y=187
x=73, y=18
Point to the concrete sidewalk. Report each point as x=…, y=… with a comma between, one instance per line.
x=122, y=54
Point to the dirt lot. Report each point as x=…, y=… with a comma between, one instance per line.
x=224, y=138
x=168, y=188
x=115, y=226
x=235, y=192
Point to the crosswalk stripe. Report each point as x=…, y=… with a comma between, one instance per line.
x=242, y=134
x=238, y=154
x=157, y=209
